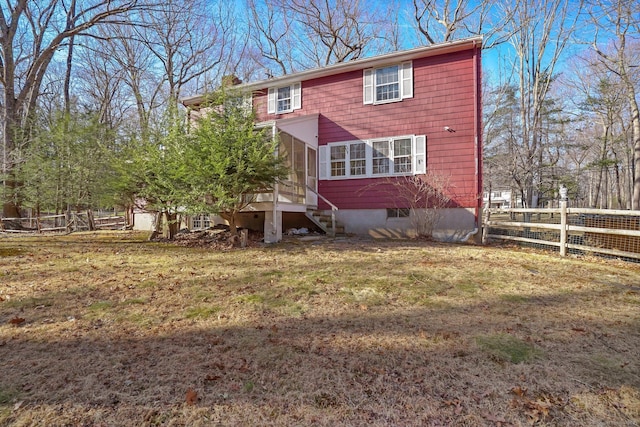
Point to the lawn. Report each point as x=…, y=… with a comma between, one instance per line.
x=106, y=329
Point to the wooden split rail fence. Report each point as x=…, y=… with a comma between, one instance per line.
x=76, y=221
x=607, y=232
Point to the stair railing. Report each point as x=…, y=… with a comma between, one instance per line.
x=334, y=208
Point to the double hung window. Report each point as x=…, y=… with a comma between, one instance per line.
x=284, y=99
x=388, y=84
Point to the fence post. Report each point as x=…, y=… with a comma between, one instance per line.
x=563, y=228
x=91, y=220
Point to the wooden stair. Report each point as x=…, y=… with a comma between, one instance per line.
x=323, y=221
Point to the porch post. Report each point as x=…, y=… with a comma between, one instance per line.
x=272, y=226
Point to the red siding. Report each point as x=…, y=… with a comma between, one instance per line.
x=445, y=93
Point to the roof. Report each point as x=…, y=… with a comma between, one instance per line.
x=359, y=64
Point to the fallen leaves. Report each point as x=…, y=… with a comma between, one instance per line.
x=17, y=321
x=519, y=391
x=191, y=397
x=539, y=409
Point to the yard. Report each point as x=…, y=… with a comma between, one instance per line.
x=106, y=329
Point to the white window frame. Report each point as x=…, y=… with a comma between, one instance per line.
x=200, y=222
x=330, y=164
x=371, y=83
x=397, y=213
x=295, y=98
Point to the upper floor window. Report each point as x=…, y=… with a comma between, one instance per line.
x=388, y=84
x=284, y=99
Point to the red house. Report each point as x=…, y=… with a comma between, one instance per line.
x=350, y=130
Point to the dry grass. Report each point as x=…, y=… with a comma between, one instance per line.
x=118, y=331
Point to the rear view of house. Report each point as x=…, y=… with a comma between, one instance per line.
x=351, y=132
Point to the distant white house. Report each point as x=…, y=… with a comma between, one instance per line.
x=499, y=199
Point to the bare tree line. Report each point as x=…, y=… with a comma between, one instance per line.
x=548, y=121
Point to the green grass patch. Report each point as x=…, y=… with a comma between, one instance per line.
x=514, y=298
x=135, y=301
x=7, y=252
x=101, y=306
x=201, y=312
x=7, y=395
x=507, y=348
x=467, y=288
x=251, y=299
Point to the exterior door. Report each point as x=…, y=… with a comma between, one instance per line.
x=312, y=177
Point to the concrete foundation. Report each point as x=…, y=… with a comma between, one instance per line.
x=453, y=225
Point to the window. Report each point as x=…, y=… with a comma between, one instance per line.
x=357, y=158
x=398, y=212
x=388, y=84
x=338, y=160
x=284, y=99
x=381, y=160
x=404, y=155
x=201, y=221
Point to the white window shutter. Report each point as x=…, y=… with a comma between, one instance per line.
x=323, y=162
x=420, y=155
x=271, y=101
x=407, y=79
x=367, y=86
x=296, y=90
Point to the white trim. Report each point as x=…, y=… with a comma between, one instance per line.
x=296, y=96
x=323, y=164
x=271, y=101
x=406, y=80
x=420, y=154
x=367, y=86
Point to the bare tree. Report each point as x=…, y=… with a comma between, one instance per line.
x=336, y=31
x=296, y=34
x=189, y=40
x=539, y=36
x=622, y=57
x=445, y=20
x=270, y=32
x=30, y=34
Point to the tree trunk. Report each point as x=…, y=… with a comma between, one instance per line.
x=635, y=114
x=10, y=208
x=171, y=229
x=232, y=224
x=157, y=225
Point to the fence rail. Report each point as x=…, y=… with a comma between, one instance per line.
x=76, y=221
x=571, y=230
